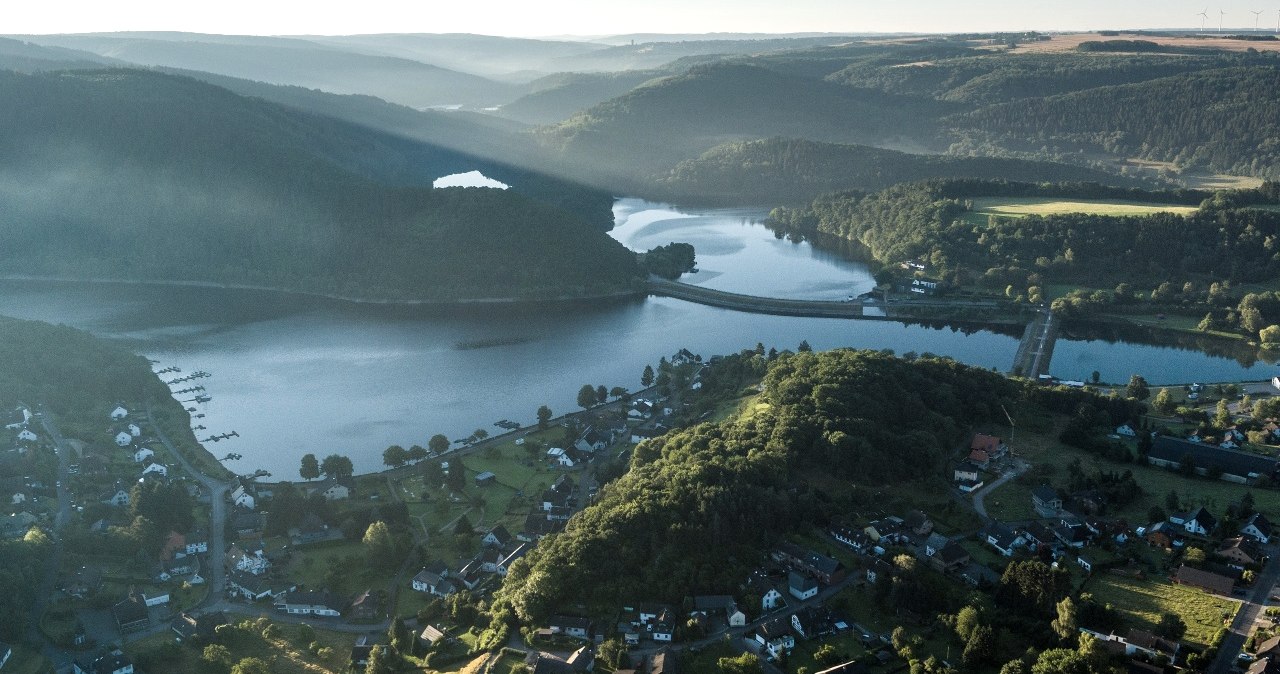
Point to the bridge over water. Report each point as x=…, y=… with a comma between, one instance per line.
x=1030, y=360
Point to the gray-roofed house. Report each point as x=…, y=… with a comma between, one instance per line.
x=1235, y=466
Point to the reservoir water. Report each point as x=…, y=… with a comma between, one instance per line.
x=293, y=376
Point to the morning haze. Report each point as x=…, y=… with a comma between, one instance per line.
x=662, y=338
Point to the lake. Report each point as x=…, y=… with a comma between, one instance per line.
x=293, y=376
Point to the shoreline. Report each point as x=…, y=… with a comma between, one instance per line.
x=367, y=301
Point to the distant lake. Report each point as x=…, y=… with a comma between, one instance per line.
x=293, y=376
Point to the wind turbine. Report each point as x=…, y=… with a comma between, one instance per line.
x=1256, y=16
x=1204, y=16
x=1221, y=13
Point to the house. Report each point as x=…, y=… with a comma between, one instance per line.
x=119, y=413
x=582, y=660
x=309, y=602
x=361, y=651
x=979, y=458
x=925, y=286
x=546, y=663
x=1269, y=648
x=1046, y=501
x=801, y=587
x=809, y=622
x=1264, y=666
x=434, y=579
x=1084, y=563
x=1161, y=535
x=335, y=488
x=249, y=586
x=246, y=523
x=1235, y=466
x=1241, y=552
x=173, y=568
x=431, y=635
x=1150, y=645
x=497, y=537
x=570, y=626
x=537, y=525
x=849, y=536
x=26, y=435
x=1200, y=522
x=1126, y=430
x=244, y=496
x=770, y=597
x=559, y=494
x=134, y=430
x=123, y=439
x=199, y=628
x=364, y=607
x=1073, y=534
x=966, y=476
x=114, y=662
x=485, y=479
x=775, y=636
x=990, y=445
x=639, y=435
x=5, y=653
x=196, y=542
x=1258, y=528
x=1205, y=580
x=155, y=469
x=950, y=557
x=17, y=525
x=142, y=455
x=826, y=569
x=1004, y=539
x=504, y=565
x=560, y=457
x=117, y=497
x=19, y=419
x=918, y=522
x=310, y=530
x=86, y=581
x=131, y=614
x=664, y=662
x=256, y=563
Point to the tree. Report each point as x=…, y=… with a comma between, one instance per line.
x=432, y=473
x=310, y=469
x=251, y=666
x=438, y=444
x=1066, y=625
x=980, y=648
x=1163, y=402
x=379, y=546
x=602, y=394
x=1246, y=504
x=746, y=663
x=456, y=478
x=586, y=396
x=804, y=346
x=1269, y=335
x=1222, y=415
x=966, y=620
x=417, y=453
x=544, y=416
x=1095, y=377
x=479, y=434
x=1060, y=661
x=399, y=635
x=613, y=653
x=379, y=661
x=646, y=379
x=216, y=658
x=395, y=456
x=1171, y=626
x=827, y=655
x=336, y=465
x=1137, y=388
x=1171, y=502
x=618, y=392
x=1156, y=514
x=1193, y=557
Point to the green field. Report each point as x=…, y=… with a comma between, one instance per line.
x=284, y=653
x=1049, y=459
x=1142, y=602
x=1017, y=207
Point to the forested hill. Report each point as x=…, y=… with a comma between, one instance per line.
x=140, y=175
x=657, y=125
x=1219, y=120
x=779, y=171
x=699, y=507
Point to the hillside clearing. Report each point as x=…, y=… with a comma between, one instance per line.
x=1023, y=206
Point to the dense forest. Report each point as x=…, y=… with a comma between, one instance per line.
x=132, y=174
x=1180, y=262
x=780, y=171
x=699, y=506
x=1217, y=120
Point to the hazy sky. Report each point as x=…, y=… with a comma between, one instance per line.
x=602, y=17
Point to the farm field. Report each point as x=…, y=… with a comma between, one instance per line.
x=1142, y=602
x=1023, y=206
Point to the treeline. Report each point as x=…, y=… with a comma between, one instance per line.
x=791, y=171
x=1217, y=120
x=699, y=506
x=933, y=221
x=211, y=186
x=76, y=376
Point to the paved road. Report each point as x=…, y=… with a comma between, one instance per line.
x=1248, y=614
x=980, y=496
x=217, y=516
x=55, y=655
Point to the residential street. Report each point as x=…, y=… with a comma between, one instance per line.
x=55, y=655
x=980, y=496
x=1248, y=614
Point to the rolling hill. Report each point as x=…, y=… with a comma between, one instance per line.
x=784, y=171
x=555, y=98
x=297, y=62
x=133, y=174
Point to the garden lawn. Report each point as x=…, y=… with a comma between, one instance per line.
x=1142, y=602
